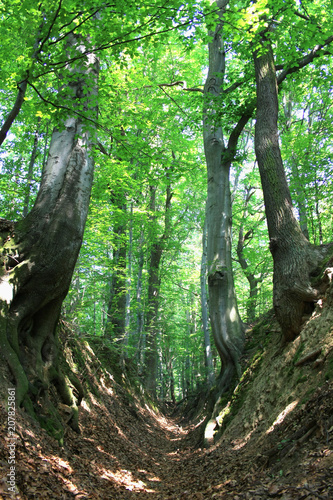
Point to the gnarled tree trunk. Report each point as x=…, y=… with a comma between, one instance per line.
x=38, y=255
x=295, y=259
x=226, y=324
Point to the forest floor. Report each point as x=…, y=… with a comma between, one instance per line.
x=125, y=451
x=275, y=439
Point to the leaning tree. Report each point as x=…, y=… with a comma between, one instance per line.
x=297, y=283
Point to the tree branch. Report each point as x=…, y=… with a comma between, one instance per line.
x=304, y=61
x=22, y=87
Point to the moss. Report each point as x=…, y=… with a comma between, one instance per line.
x=308, y=395
x=329, y=370
x=298, y=353
x=52, y=427
x=234, y=401
x=301, y=379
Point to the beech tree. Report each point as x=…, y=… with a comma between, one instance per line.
x=38, y=253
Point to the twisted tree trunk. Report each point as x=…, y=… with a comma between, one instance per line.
x=226, y=323
x=38, y=255
x=295, y=259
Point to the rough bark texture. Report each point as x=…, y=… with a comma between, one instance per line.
x=295, y=260
x=225, y=320
x=38, y=255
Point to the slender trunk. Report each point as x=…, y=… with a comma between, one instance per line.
x=116, y=314
x=139, y=308
x=253, y=281
x=31, y=170
x=204, y=310
x=300, y=195
x=151, y=318
x=128, y=287
x=22, y=87
x=153, y=293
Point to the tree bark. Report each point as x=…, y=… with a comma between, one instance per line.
x=31, y=170
x=226, y=324
x=300, y=195
x=116, y=314
x=251, y=278
x=38, y=255
x=151, y=360
x=295, y=259
x=21, y=87
x=204, y=310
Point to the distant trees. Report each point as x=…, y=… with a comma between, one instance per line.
x=137, y=281
x=55, y=57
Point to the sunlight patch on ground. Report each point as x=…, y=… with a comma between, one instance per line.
x=240, y=443
x=282, y=416
x=95, y=402
x=106, y=386
x=101, y=450
x=59, y=461
x=124, y=478
x=120, y=432
x=85, y=406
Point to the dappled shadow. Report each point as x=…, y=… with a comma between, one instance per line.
x=127, y=450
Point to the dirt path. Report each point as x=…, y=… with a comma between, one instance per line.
x=125, y=451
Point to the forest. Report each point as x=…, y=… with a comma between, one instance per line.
x=166, y=250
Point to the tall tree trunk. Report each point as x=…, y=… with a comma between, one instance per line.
x=38, y=255
x=300, y=195
x=253, y=281
x=226, y=324
x=295, y=260
x=139, y=307
x=128, y=288
x=204, y=309
x=151, y=361
x=31, y=170
x=116, y=314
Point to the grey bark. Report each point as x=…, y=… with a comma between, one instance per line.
x=204, y=310
x=226, y=324
x=39, y=254
x=31, y=169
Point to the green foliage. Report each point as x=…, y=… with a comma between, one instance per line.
x=153, y=59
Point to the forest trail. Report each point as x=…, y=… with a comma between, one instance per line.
x=278, y=443
x=128, y=451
